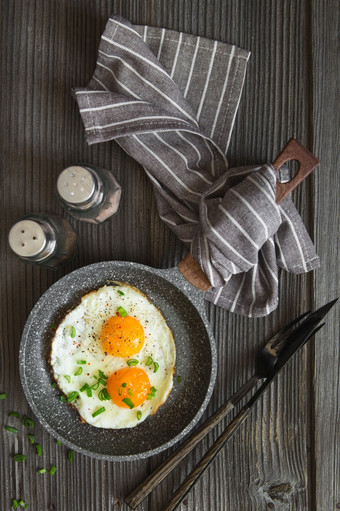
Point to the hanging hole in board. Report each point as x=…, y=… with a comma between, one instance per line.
x=288, y=170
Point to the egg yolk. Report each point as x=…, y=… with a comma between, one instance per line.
x=128, y=387
x=122, y=336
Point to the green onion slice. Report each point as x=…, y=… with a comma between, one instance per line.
x=179, y=379
x=67, y=378
x=15, y=503
x=122, y=312
x=120, y=292
x=27, y=422
x=102, y=381
x=99, y=411
x=39, y=449
x=73, y=332
x=132, y=362
x=95, y=385
x=11, y=429
x=72, y=396
x=41, y=470
x=81, y=362
x=152, y=393
x=3, y=395
x=130, y=392
x=139, y=415
x=155, y=367
x=148, y=361
x=63, y=398
x=78, y=371
x=14, y=414
x=102, y=375
x=53, y=470
x=120, y=390
x=23, y=504
x=19, y=457
x=70, y=455
x=104, y=395
x=31, y=438
x=128, y=402
x=54, y=385
x=58, y=442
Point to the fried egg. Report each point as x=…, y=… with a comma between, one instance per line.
x=113, y=357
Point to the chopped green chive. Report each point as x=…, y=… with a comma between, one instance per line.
x=58, y=442
x=53, y=326
x=78, y=371
x=41, y=471
x=14, y=414
x=72, y=396
x=15, y=503
x=122, y=312
x=67, y=378
x=31, y=438
x=99, y=411
x=101, y=381
x=39, y=449
x=88, y=389
x=128, y=402
x=152, y=393
x=120, y=390
x=19, y=457
x=70, y=455
x=139, y=415
x=132, y=362
x=120, y=292
x=53, y=470
x=104, y=395
x=73, y=332
x=95, y=385
x=27, y=422
x=3, y=395
x=54, y=385
x=179, y=379
x=81, y=362
x=63, y=398
x=148, y=361
x=130, y=392
x=12, y=430
x=155, y=367
x=102, y=375
x=23, y=504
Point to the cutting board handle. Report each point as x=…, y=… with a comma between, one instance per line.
x=190, y=268
x=307, y=163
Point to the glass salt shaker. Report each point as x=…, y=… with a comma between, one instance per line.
x=89, y=193
x=45, y=240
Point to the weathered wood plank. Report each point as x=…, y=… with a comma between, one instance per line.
x=326, y=143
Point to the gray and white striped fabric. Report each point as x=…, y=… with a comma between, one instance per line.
x=170, y=99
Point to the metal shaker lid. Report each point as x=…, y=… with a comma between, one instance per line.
x=76, y=184
x=27, y=238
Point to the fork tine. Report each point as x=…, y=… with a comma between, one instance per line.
x=305, y=330
x=282, y=334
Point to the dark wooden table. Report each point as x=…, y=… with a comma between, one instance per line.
x=285, y=456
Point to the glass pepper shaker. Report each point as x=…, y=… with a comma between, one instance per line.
x=45, y=240
x=89, y=193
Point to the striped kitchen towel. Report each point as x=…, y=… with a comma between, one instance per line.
x=170, y=99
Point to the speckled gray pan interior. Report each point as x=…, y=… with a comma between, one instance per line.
x=183, y=308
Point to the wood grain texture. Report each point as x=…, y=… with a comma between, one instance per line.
x=284, y=457
x=326, y=142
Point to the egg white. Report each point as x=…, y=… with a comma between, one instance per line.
x=77, y=338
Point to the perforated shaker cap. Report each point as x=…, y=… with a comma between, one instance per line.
x=27, y=238
x=76, y=184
